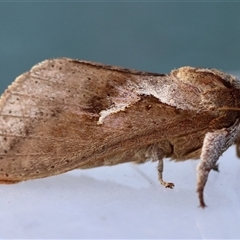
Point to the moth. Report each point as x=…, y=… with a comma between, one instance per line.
x=65, y=114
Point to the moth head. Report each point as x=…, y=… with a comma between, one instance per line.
x=205, y=78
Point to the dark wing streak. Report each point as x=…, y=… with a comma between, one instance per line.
x=39, y=98
x=114, y=68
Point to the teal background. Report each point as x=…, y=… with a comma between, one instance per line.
x=156, y=36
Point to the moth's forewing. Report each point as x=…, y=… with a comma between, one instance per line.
x=49, y=119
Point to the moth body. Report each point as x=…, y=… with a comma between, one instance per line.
x=65, y=114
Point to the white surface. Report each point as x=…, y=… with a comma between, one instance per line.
x=124, y=201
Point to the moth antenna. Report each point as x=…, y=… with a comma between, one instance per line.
x=229, y=109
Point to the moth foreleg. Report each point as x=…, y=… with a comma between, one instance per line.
x=214, y=144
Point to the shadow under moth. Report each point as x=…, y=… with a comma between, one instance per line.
x=65, y=114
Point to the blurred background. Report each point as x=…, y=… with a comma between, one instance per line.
x=150, y=36
x=123, y=201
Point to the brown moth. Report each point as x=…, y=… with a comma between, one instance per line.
x=65, y=114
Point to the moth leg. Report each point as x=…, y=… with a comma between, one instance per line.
x=214, y=144
x=157, y=154
x=160, y=175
